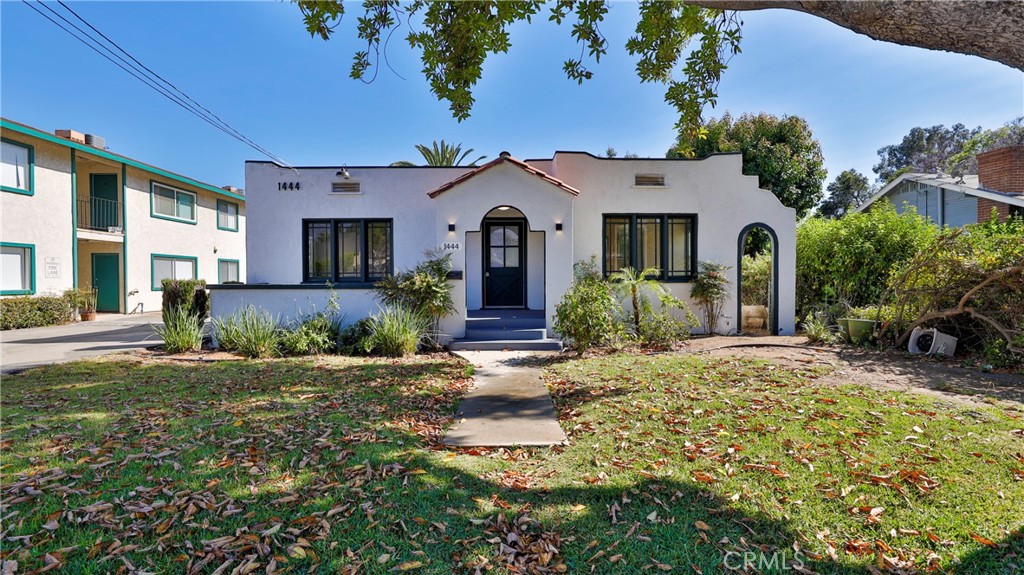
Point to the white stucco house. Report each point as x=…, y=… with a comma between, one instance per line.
x=514, y=228
x=74, y=214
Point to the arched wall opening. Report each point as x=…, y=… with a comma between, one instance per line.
x=757, y=280
x=505, y=262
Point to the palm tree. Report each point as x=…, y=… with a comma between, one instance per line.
x=442, y=154
x=634, y=285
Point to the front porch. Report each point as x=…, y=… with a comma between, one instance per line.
x=498, y=329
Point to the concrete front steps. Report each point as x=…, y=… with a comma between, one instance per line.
x=513, y=329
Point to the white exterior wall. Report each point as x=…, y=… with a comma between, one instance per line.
x=148, y=235
x=715, y=189
x=45, y=218
x=724, y=200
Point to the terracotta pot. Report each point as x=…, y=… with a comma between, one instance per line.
x=88, y=315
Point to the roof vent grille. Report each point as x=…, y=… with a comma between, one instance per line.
x=96, y=141
x=345, y=187
x=649, y=180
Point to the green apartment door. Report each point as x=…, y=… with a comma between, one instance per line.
x=106, y=281
x=103, y=201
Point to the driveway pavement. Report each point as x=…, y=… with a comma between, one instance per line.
x=24, y=348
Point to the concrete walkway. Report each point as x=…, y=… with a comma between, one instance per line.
x=21, y=349
x=508, y=405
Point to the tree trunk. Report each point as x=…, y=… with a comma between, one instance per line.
x=993, y=30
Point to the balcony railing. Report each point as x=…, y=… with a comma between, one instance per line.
x=99, y=214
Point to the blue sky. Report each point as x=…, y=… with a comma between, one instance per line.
x=255, y=66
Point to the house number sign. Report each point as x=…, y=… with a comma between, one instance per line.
x=287, y=186
x=451, y=246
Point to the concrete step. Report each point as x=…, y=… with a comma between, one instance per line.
x=507, y=344
x=504, y=323
x=505, y=313
x=475, y=334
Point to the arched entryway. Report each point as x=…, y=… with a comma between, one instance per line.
x=508, y=271
x=757, y=280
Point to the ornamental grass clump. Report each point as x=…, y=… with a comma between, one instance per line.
x=396, y=331
x=180, y=330
x=250, y=331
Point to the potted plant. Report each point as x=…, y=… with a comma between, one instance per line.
x=861, y=323
x=87, y=304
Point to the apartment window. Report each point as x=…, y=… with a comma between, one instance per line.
x=17, y=162
x=346, y=250
x=173, y=204
x=666, y=242
x=227, y=216
x=167, y=267
x=227, y=271
x=17, y=269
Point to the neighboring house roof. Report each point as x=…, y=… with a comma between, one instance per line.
x=966, y=184
x=501, y=159
x=36, y=133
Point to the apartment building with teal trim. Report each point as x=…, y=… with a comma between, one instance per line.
x=75, y=215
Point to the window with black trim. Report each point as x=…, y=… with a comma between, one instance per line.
x=663, y=241
x=349, y=250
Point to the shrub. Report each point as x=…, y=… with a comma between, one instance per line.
x=28, y=311
x=967, y=281
x=850, y=259
x=189, y=295
x=586, y=315
x=396, y=331
x=757, y=279
x=352, y=340
x=661, y=329
x=180, y=331
x=249, y=331
x=710, y=289
x=424, y=290
x=315, y=332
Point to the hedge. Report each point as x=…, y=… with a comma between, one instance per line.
x=190, y=295
x=28, y=311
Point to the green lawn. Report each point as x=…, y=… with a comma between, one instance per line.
x=676, y=464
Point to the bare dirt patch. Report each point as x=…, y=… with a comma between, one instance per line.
x=880, y=369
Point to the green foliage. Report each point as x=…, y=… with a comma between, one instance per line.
x=818, y=330
x=850, y=259
x=396, y=331
x=968, y=281
x=189, y=295
x=250, y=331
x=81, y=300
x=662, y=329
x=315, y=332
x=925, y=150
x=849, y=190
x=710, y=289
x=965, y=161
x=455, y=39
x=757, y=279
x=442, y=154
x=636, y=287
x=424, y=290
x=352, y=339
x=28, y=311
x=180, y=330
x=781, y=151
x=586, y=315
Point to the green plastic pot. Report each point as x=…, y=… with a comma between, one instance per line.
x=860, y=330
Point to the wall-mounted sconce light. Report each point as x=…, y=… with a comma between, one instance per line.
x=504, y=208
x=558, y=226
x=344, y=173
x=451, y=227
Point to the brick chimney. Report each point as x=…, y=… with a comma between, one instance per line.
x=1000, y=170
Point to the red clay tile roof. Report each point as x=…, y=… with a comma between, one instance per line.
x=499, y=160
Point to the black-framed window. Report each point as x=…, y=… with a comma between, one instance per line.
x=347, y=250
x=667, y=242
